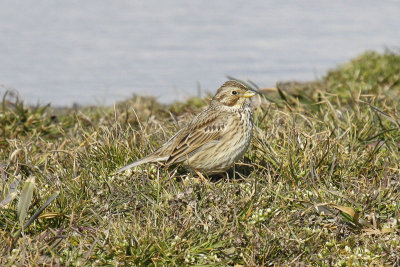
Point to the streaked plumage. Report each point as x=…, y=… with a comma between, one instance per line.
x=215, y=138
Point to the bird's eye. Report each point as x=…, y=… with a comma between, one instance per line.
x=234, y=92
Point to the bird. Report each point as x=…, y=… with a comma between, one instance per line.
x=215, y=138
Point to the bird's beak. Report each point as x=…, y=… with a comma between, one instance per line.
x=248, y=94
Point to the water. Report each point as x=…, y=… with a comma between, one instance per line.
x=97, y=52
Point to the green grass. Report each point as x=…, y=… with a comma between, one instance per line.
x=320, y=184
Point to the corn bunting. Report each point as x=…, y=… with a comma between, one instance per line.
x=215, y=138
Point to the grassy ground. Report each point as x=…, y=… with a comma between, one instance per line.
x=320, y=184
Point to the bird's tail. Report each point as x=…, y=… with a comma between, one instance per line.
x=139, y=162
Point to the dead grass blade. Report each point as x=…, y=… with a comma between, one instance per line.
x=353, y=214
x=25, y=199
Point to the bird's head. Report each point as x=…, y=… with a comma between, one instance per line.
x=233, y=94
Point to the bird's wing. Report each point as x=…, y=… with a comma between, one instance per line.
x=203, y=129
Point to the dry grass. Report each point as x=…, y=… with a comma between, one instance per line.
x=320, y=184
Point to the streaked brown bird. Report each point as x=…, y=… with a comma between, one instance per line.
x=215, y=138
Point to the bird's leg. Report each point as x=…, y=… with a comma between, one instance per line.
x=172, y=173
x=201, y=176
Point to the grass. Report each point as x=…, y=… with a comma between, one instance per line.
x=320, y=184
